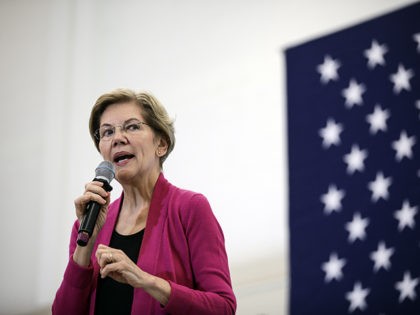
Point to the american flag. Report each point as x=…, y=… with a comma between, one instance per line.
x=354, y=169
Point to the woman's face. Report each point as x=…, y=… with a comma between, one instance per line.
x=132, y=147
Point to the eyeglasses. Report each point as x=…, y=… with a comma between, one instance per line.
x=107, y=132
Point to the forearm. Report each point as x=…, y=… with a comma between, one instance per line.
x=188, y=301
x=182, y=300
x=82, y=254
x=74, y=293
x=158, y=288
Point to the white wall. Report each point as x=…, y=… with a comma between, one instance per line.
x=218, y=68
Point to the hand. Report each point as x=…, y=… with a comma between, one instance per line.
x=115, y=264
x=93, y=192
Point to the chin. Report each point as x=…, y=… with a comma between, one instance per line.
x=124, y=176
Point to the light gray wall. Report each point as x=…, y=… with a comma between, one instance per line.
x=218, y=68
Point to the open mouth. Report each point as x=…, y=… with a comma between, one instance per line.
x=123, y=157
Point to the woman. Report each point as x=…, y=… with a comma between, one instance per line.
x=158, y=249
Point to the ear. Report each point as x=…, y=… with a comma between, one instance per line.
x=162, y=147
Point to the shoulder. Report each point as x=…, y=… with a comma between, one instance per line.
x=187, y=199
x=185, y=202
x=176, y=195
x=180, y=204
x=193, y=209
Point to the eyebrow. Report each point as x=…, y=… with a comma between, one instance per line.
x=125, y=122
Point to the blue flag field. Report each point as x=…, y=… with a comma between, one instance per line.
x=353, y=107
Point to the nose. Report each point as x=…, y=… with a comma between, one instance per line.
x=119, y=136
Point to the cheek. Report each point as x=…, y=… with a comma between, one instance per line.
x=104, y=150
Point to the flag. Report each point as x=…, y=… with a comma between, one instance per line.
x=354, y=169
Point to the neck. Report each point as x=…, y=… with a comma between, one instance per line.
x=138, y=194
x=135, y=207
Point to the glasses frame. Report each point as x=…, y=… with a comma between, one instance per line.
x=123, y=128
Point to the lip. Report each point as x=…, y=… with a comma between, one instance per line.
x=120, y=154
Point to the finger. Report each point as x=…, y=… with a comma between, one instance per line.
x=100, y=250
x=80, y=205
x=104, y=255
x=90, y=196
x=95, y=197
x=102, y=247
x=93, y=192
x=97, y=188
x=109, y=258
x=105, y=258
x=112, y=269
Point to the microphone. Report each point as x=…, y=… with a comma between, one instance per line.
x=103, y=173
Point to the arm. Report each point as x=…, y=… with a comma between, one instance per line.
x=213, y=293
x=73, y=294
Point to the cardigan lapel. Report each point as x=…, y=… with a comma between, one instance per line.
x=154, y=225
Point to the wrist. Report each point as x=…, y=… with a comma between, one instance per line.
x=158, y=288
x=82, y=254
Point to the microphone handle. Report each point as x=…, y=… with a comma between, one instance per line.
x=91, y=215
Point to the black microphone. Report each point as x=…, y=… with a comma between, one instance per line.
x=104, y=173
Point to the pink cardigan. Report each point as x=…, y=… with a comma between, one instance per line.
x=183, y=243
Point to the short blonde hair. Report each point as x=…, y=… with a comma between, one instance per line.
x=154, y=114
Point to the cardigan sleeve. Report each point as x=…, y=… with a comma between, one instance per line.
x=213, y=292
x=73, y=295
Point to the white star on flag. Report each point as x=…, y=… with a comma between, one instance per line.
x=353, y=94
x=382, y=256
x=331, y=133
x=379, y=187
x=407, y=287
x=328, y=69
x=332, y=199
x=401, y=79
x=405, y=216
x=375, y=54
x=403, y=146
x=357, y=297
x=377, y=119
x=357, y=227
x=355, y=159
x=333, y=268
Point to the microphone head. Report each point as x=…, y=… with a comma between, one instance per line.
x=105, y=170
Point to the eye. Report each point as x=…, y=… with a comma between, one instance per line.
x=133, y=127
x=105, y=132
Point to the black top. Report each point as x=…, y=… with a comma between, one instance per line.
x=113, y=297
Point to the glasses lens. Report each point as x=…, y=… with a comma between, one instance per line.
x=107, y=132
